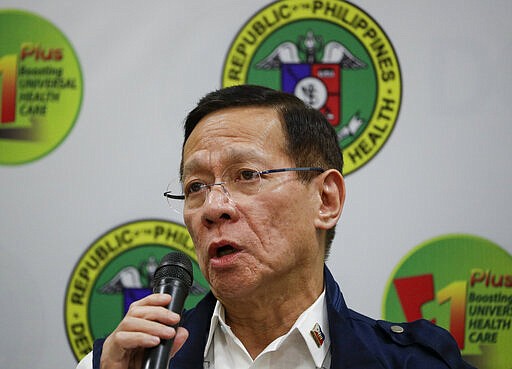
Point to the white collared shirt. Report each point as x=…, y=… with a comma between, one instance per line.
x=296, y=349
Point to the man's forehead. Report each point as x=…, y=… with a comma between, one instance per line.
x=235, y=132
x=204, y=159
x=257, y=120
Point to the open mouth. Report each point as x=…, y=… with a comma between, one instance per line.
x=225, y=250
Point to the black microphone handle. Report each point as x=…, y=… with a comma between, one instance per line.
x=158, y=357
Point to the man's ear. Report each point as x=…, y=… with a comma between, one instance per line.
x=332, y=196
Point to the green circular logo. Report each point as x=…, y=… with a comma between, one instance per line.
x=115, y=271
x=464, y=284
x=333, y=56
x=40, y=87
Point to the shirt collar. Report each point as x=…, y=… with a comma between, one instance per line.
x=219, y=309
x=305, y=324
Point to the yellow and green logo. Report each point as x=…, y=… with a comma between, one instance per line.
x=463, y=283
x=333, y=56
x=40, y=87
x=116, y=270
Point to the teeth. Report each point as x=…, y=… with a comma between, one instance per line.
x=225, y=250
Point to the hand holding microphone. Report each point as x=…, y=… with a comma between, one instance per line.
x=144, y=337
x=174, y=277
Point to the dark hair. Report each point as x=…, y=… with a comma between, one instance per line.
x=311, y=141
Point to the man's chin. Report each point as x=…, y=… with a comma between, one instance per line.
x=226, y=285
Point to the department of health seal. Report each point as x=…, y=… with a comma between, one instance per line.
x=332, y=55
x=116, y=270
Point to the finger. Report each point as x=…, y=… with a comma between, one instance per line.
x=118, y=349
x=155, y=299
x=133, y=335
x=155, y=313
x=179, y=340
x=153, y=328
x=133, y=340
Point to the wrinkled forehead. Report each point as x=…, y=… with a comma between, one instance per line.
x=235, y=134
x=220, y=160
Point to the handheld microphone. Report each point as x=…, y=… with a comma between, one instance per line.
x=173, y=276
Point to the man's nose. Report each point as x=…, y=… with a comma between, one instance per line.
x=218, y=204
x=217, y=193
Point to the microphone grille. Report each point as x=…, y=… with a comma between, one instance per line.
x=175, y=265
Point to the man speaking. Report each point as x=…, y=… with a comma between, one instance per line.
x=262, y=191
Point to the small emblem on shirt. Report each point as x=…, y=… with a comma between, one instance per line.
x=318, y=335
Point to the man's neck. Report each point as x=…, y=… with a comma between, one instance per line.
x=259, y=321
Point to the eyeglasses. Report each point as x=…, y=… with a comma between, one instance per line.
x=236, y=184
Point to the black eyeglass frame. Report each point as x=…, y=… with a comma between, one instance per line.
x=169, y=195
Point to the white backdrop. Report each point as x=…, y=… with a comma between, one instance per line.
x=445, y=169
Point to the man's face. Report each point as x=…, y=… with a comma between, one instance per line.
x=267, y=239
